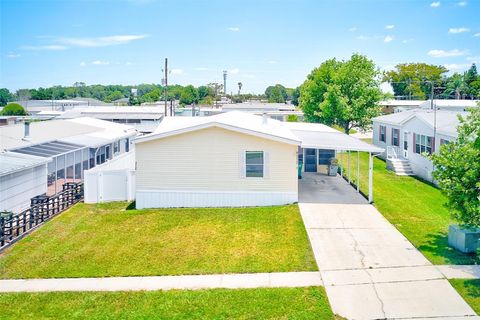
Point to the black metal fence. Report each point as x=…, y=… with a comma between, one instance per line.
x=13, y=226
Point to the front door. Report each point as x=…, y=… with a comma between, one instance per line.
x=405, y=145
x=310, y=160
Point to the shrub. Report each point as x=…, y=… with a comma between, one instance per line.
x=13, y=109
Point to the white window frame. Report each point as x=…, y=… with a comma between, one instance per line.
x=383, y=131
x=247, y=164
x=422, y=141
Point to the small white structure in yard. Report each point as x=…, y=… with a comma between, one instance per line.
x=113, y=180
x=22, y=177
x=411, y=135
x=231, y=159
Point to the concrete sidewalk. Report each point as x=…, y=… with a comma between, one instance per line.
x=371, y=271
x=189, y=282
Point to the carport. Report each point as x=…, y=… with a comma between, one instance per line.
x=319, y=142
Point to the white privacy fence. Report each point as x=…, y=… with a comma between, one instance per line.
x=112, y=181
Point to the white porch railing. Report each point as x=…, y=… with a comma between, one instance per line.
x=393, y=152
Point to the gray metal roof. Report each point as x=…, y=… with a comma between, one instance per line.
x=446, y=121
x=11, y=162
x=333, y=141
x=49, y=149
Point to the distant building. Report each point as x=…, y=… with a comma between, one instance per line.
x=459, y=105
x=277, y=111
x=144, y=119
x=392, y=105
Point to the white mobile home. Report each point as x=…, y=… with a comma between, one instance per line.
x=231, y=159
x=22, y=177
x=409, y=136
x=68, y=147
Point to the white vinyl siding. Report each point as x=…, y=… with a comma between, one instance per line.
x=213, y=159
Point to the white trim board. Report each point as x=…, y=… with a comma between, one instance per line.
x=201, y=198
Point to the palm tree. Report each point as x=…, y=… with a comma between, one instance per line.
x=455, y=86
x=239, y=87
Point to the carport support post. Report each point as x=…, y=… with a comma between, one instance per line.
x=358, y=171
x=348, y=166
x=370, y=177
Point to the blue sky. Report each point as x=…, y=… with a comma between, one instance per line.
x=260, y=43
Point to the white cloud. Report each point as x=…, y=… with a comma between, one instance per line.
x=388, y=39
x=390, y=26
x=201, y=69
x=462, y=4
x=83, y=64
x=176, y=71
x=100, y=41
x=128, y=63
x=456, y=67
x=362, y=38
x=352, y=29
x=52, y=47
x=475, y=59
x=13, y=55
x=100, y=63
x=477, y=34
x=435, y=4
x=234, y=71
x=272, y=62
x=407, y=40
x=436, y=53
x=458, y=30
x=233, y=29
x=66, y=43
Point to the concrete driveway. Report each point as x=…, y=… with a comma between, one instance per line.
x=370, y=270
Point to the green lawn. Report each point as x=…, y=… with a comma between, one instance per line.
x=413, y=206
x=469, y=290
x=278, y=303
x=108, y=240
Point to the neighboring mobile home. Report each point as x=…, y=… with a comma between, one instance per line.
x=22, y=177
x=68, y=148
x=409, y=137
x=231, y=159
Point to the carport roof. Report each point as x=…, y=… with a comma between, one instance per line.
x=319, y=136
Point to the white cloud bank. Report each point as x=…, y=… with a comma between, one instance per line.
x=435, y=4
x=62, y=43
x=390, y=26
x=458, y=30
x=388, y=39
x=100, y=41
x=437, y=53
x=233, y=29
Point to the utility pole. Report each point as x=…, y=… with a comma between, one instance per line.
x=165, y=86
x=225, y=82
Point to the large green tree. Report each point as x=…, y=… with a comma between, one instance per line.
x=13, y=109
x=5, y=96
x=411, y=80
x=457, y=170
x=189, y=95
x=345, y=93
x=276, y=94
